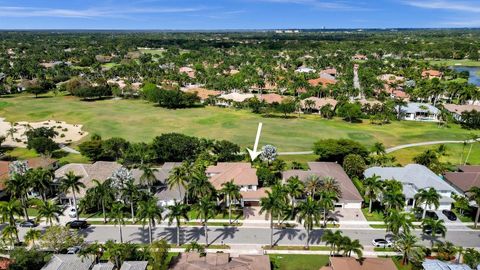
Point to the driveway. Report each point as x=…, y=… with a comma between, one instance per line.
x=253, y=213
x=350, y=218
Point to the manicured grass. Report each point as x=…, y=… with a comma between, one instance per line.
x=379, y=249
x=453, y=154
x=298, y=262
x=452, y=62
x=140, y=121
x=462, y=217
x=24, y=153
x=225, y=224
x=374, y=216
x=378, y=226
x=302, y=159
x=237, y=214
x=398, y=262
x=321, y=248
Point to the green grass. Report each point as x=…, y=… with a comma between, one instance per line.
x=379, y=249
x=462, y=217
x=237, y=214
x=152, y=51
x=317, y=248
x=378, y=226
x=140, y=121
x=374, y=216
x=298, y=262
x=225, y=224
x=24, y=153
x=453, y=155
x=452, y=62
x=109, y=65
x=398, y=262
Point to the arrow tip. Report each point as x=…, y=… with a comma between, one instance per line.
x=253, y=154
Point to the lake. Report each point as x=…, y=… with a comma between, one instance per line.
x=474, y=73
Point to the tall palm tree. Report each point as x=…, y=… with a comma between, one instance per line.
x=393, y=200
x=397, y=221
x=327, y=203
x=294, y=187
x=177, y=178
x=10, y=234
x=427, y=197
x=330, y=184
x=474, y=195
x=149, y=212
x=32, y=235
x=17, y=186
x=200, y=186
x=50, y=211
x=148, y=177
x=131, y=194
x=10, y=209
x=348, y=246
x=333, y=239
x=232, y=192
x=271, y=205
x=117, y=215
x=436, y=227
x=176, y=212
x=105, y=193
x=71, y=182
x=206, y=210
x=313, y=184
x=406, y=243
x=309, y=214
x=373, y=188
x=41, y=181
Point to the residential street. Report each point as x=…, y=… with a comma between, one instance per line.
x=252, y=235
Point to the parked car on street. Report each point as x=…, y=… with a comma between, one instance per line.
x=450, y=215
x=77, y=224
x=28, y=224
x=381, y=243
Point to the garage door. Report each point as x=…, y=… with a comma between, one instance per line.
x=252, y=203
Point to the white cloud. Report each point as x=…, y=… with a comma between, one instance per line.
x=16, y=11
x=463, y=6
x=339, y=5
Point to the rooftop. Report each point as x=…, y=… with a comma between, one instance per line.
x=413, y=107
x=350, y=263
x=68, y=262
x=440, y=265
x=134, y=265
x=241, y=173
x=221, y=261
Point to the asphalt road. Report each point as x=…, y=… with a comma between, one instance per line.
x=250, y=235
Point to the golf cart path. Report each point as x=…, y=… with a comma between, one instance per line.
x=388, y=150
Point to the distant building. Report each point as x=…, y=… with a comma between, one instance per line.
x=419, y=112
x=318, y=103
x=441, y=265
x=221, y=261
x=305, y=70
x=68, y=262
x=464, y=179
x=432, y=73
x=457, y=110
x=271, y=98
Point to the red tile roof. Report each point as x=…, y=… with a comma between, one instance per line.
x=323, y=81
x=241, y=173
x=271, y=98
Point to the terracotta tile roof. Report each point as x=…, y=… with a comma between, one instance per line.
x=221, y=261
x=331, y=71
x=432, y=73
x=463, y=180
x=242, y=174
x=255, y=195
x=271, y=98
x=459, y=109
x=4, y=169
x=350, y=263
x=203, y=93
x=320, y=102
x=323, y=81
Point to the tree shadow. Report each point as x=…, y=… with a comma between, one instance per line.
x=142, y=235
x=225, y=232
x=194, y=233
x=169, y=234
x=316, y=236
x=290, y=234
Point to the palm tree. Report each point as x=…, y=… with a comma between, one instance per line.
x=378, y=148
x=148, y=177
x=41, y=180
x=327, y=203
x=348, y=246
x=18, y=186
x=474, y=195
x=232, y=192
x=393, y=200
x=333, y=239
x=330, y=184
x=373, y=188
x=149, y=212
x=32, y=235
x=9, y=209
x=177, y=178
x=200, y=186
x=313, y=184
x=406, y=243
x=131, y=193
x=50, y=211
x=71, y=182
x=309, y=214
x=436, y=227
x=427, y=198
x=10, y=233
x=206, y=210
x=294, y=188
x=118, y=217
x=175, y=212
x=397, y=221
x=272, y=205
x=105, y=193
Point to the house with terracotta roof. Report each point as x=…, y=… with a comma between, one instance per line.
x=221, y=261
x=321, y=81
x=243, y=175
x=303, y=69
x=350, y=197
x=457, y=110
x=329, y=71
x=271, y=98
x=360, y=57
x=432, y=73
x=187, y=70
x=318, y=103
x=350, y=263
x=227, y=99
x=203, y=93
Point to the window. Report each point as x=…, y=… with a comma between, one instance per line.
x=249, y=186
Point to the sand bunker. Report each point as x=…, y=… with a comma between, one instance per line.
x=67, y=133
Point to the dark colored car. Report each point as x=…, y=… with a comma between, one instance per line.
x=428, y=214
x=28, y=224
x=428, y=230
x=77, y=224
x=450, y=215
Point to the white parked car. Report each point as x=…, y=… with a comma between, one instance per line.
x=381, y=243
x=73, y=250
x=72, y=212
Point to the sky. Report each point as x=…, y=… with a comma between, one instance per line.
x=237, y=14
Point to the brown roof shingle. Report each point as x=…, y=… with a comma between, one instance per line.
x=242, y=174
x=350, y=263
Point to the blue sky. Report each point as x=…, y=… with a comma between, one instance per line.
x=237, y=14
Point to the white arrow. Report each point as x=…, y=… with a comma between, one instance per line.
x=254, y=154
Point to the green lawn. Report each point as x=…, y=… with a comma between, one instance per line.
x=398, y=262
x=298, y=262
x=321, y=248
x=453, y=155
x=137, y=120
x=63, y=157
x=237, y=214
x=374, y=216
x=451, y=62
